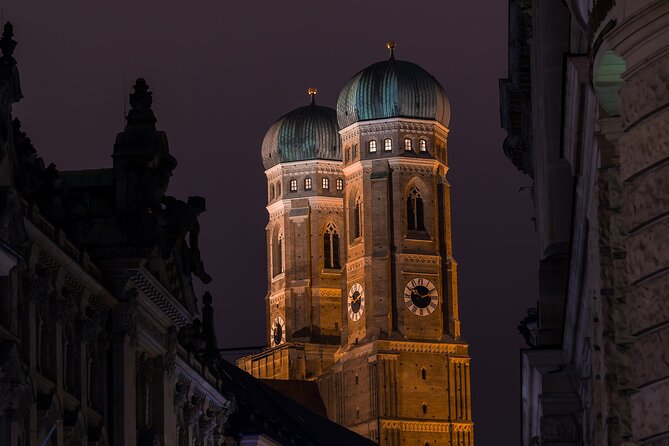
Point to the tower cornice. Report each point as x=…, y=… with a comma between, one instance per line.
x=299, y=167
x=393, y=124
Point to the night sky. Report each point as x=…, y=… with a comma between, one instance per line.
x=223, y=72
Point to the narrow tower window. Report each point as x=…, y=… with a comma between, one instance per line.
x=357, y=218
x=326, y=184
x=340, y=184
x=331, y=247
x=423, y=373
x=271, y=192
x=422, y=145
x=278, y=189
x=407, y=144
x=277, y=253
x=372, y=146
x=307, y=184
x=415, y=212
x=293, y=185
x=387, y=144
x=424, y=408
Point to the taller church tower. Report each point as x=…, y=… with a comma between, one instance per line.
x=401, y=372
x=401, y=375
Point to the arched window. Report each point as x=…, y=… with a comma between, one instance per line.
x=407, y=144
x=326, y=184
x=293, y=185
x=422, y=145
x=331, y=247
x=423, y=373
x=271, y=192
x=424, y=407
x=277, y=253
x=387, y=144
x=415, y=211
x=307, y=184
x=357, y=218
x=340, y=184
x=372, y=146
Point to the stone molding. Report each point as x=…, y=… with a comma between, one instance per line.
x=417, y=347
x=302, y=167
x=425, y=426
x=357, y=170
x=421, y=259
x=327, y=292
x=160, y=297
x=328, y=204
x=277, y=299
x=358, y=263
x=416, y=126
x=416, y=166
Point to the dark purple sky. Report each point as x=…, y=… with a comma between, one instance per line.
x=222, y=72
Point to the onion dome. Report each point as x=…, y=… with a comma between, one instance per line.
x=305, y=133
x=392, y=89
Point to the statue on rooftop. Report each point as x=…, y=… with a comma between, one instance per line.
x=180, y=219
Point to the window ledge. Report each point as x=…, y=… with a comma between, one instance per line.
x=332, y=271
x=418, y=235
x=278, y=277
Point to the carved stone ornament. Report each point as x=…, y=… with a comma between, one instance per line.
x=38, y=288
x=129, y=315
x=170, y=359
x=66, y=308
x=229, y=407
x=181, y=392
x=192, y=410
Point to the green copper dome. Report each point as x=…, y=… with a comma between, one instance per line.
x=391, y=89
x=306, y=133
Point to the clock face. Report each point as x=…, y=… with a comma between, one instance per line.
x=421, y=296
x=278, y=334
x=356, y=301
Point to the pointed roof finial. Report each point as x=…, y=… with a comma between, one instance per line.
x=141, y=98
x=312, y=92
x=391, y=46
x=140, y=113
x=7, y=43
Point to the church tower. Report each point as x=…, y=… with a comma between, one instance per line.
x=361, y=276
x=302, y=157
x=402, y=373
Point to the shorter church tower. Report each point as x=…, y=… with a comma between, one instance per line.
x=301, y=154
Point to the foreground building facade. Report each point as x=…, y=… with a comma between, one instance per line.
x=362, y=281
x=585, y=108
x=102, y=338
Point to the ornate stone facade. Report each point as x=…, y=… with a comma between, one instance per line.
x=595, y=106
x=102, y=338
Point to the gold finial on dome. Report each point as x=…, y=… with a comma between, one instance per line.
x=391, y=46
x=312, y=92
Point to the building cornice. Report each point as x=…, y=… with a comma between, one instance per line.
x=327, y=167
